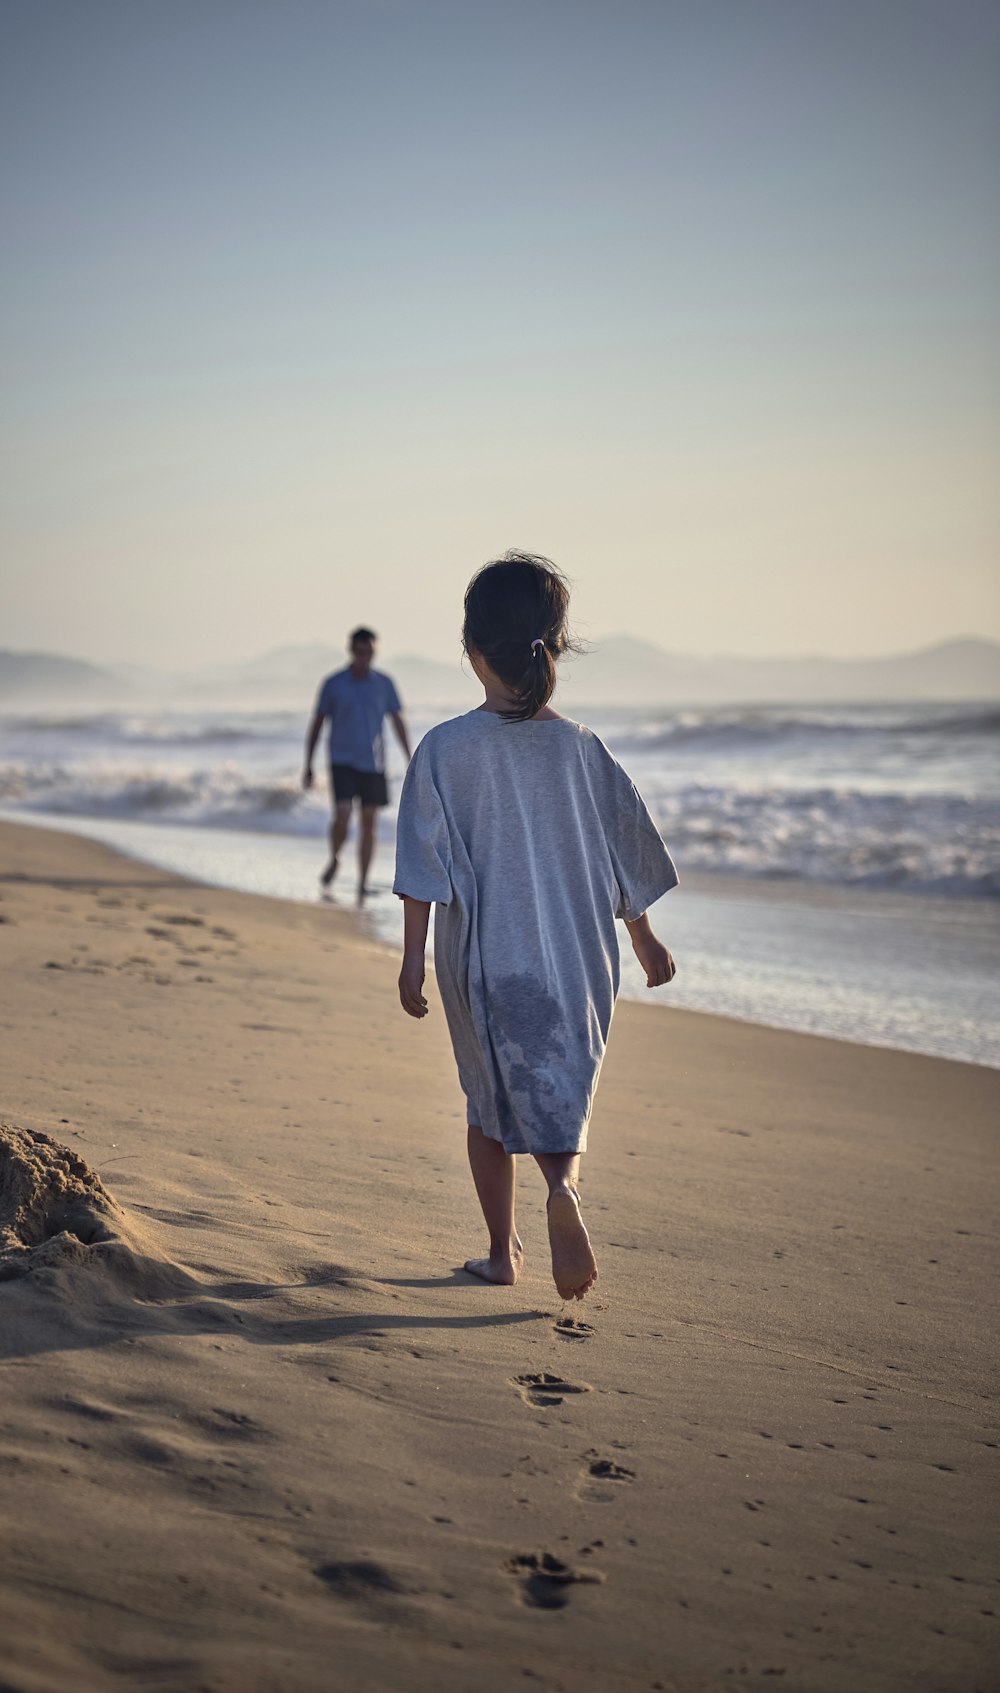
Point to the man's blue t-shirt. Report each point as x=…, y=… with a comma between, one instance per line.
x=356, y=707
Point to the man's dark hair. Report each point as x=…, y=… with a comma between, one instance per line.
x=362, y=634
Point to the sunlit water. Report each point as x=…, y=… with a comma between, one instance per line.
x=887, y=969
x=840, y=865
x=900, y=796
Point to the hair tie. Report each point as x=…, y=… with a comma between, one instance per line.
x=539, y=641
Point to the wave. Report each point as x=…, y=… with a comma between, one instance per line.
x=216, y=797
x=928, y=842
x=58, y=725
x=163, y=729
x=747, y=728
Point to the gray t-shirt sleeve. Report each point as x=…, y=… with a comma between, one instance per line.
x=644, y=869
x=393, y=702
x=324, y=699
x=423, y=846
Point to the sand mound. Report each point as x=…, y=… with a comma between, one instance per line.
x=47, y=1190
x=56, y=1212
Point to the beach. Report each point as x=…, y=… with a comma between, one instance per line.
x=261, y=1435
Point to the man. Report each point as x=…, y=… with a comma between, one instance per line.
x=357, y=701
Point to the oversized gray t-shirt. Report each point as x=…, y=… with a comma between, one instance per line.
x=530, y=839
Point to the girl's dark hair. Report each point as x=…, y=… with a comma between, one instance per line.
x=516, y=615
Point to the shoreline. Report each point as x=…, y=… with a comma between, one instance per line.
x=291, y=1431
x=903, y=971
x=779, y=888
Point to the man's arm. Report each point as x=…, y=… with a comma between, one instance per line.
x=315, y=730
x=400, y=728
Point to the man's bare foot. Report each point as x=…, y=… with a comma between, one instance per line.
x=574, y=1267
x=328, y=874
x=501, y=1267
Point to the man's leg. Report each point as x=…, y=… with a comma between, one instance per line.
x=574, y=1267
x=339, y=827
x=366, y=846
x=493, y=1174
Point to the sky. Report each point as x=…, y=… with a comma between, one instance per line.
x=310, y=306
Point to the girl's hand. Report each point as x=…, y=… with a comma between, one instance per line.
x=655, y=959
x=411, y=981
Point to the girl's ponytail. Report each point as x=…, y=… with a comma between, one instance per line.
x=516, y=615
x=539, y=682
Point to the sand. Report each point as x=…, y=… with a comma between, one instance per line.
x=258, y=1432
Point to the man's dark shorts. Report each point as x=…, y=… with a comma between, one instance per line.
x=369, y=786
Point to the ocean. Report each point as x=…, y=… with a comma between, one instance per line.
x=840, y=865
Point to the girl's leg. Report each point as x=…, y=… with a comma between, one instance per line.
x=574, y=1267
x=493, y=1174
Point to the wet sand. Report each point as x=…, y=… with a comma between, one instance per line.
x=260, y=1434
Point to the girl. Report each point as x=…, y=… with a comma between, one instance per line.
x=530, y=839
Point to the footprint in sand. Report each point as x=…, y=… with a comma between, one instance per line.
x=545, y=1580
x=569, y=1328
x=602, y=1478
x=542, y=1389
x=362, y=1582
x=605, y=1469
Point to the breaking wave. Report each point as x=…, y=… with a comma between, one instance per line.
x=219, y=798
x=755, y=729
x=942, y=843
x=904, y=796
x=946, y=843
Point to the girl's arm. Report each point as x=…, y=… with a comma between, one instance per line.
x=651, y=953
x=416, y=916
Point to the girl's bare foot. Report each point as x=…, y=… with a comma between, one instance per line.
x=500, y=1267
x=574, y=1267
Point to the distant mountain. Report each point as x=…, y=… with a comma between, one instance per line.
x=621, y=670
x=45, y=679
x=294, y=664
x=628, y=671
x=427, y=682
x=290, y=677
